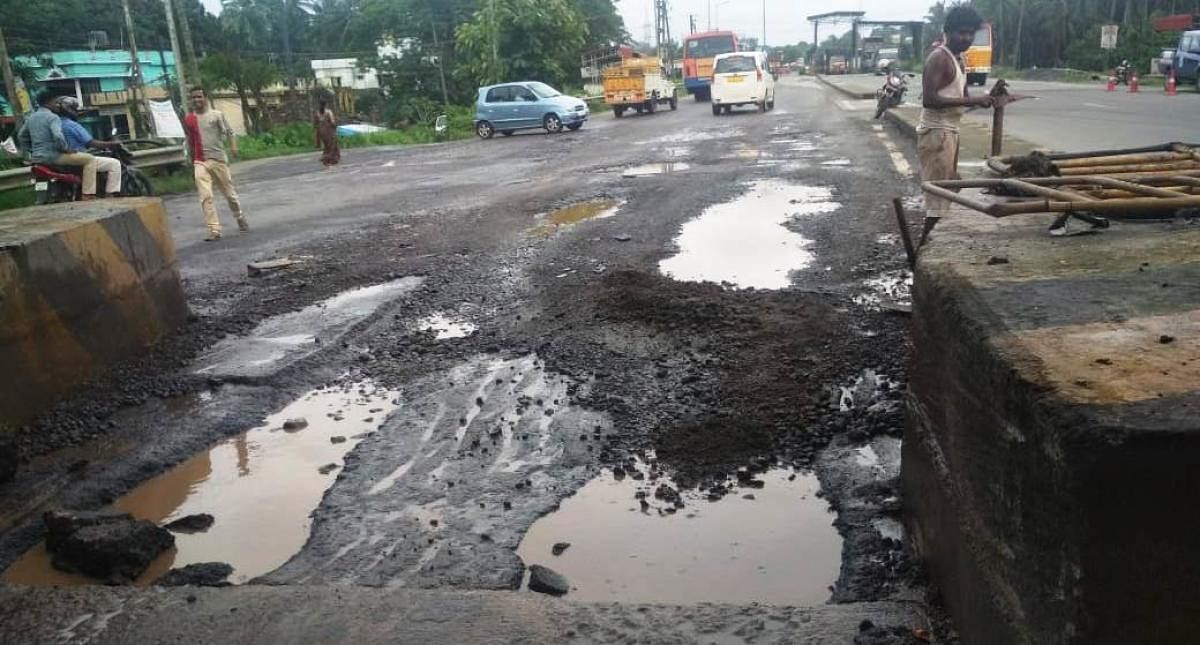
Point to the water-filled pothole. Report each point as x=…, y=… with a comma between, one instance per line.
x=888, y=289
x=653, y=169
x=744, y=242
x=259, y=486
x=770, y=541
x=575, y=213
x=445, y=327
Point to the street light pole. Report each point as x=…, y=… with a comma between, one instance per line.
x=179, y=75
x=764, y=16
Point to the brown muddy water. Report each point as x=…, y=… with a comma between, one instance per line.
x=260, y=487
x=575, y=213
x=780, y=547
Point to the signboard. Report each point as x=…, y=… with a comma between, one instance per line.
x=1108, y=36
x=166, y=121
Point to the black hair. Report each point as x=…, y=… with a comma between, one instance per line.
x=962, y=17
x=46, y=97
x=196, y=88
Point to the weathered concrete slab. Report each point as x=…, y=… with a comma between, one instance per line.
x=1051, y=462
x=356, y=615
x=82, y=286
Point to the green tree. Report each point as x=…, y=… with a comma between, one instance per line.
x=604, y=24
x=521, y=40
x=247, y=77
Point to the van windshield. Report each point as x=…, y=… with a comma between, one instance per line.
x=544, y=91
x=735, y=64
x=709, y=46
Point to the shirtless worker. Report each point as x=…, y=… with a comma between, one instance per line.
x=945, y=100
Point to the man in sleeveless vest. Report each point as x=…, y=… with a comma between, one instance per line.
x=945, y=100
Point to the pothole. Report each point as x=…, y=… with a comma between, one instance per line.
x=259, y=486
x=771, y=540
x=837, y=162
x=887, y=290
x=653, y=169
x=744, y=242
x=690, y=136
x=869, y=390
x=283, y=339
x=575, y=213
x=445, y=327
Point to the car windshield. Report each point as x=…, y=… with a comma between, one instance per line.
x=709, y=47
x=735, y=64
x=544, y=91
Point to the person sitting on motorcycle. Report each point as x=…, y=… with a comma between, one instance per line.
x=79, y=140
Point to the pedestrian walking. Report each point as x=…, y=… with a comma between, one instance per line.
x=325, y=129
x=944, y=98
x=207, y=131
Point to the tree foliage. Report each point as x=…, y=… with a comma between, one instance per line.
x=522, y=40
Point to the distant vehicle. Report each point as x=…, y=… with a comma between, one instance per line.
x=838, y=65
x=699, y=49
x=1186, y=61
x=978, y=57
x=637, y=83
x=742, y=79
x=526, y=105
x=1165, y=60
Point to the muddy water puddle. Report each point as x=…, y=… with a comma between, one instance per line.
x=744, y=242
x=259, y=486
x=575, y=213
x=655, y=169
x=887, y=290
x=770, y=541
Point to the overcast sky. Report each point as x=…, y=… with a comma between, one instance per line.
x=786, y=19
x=786, y=22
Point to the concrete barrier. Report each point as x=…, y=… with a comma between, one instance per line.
x=82, y=286
x=1051, y=464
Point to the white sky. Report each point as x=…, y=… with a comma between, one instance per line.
x=786, y=19
x=786, y=22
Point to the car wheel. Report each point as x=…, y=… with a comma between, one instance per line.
x=507, y=133
x=485, y=130
x=716, y=110
x=552, y=123
x=652, y=106
x=136, y=184
x=639, y=109
x=574, y=126
x=674, y=102
x=728, y=109
x=618, y=111
x=762, y=106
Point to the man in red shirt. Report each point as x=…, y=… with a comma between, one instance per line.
x=206, y=130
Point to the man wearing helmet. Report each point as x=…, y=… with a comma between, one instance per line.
x=79, y=140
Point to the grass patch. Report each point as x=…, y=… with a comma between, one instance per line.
x=298, y=138
x=19, y=198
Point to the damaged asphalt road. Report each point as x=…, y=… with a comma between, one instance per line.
x=524, y=351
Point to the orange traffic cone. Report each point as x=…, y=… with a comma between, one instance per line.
x=1112, y=84
x=1172, y=88
x=1133, y=84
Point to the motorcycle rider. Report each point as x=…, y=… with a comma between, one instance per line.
x=79, y=140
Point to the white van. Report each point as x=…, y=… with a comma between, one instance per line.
x=742, y=78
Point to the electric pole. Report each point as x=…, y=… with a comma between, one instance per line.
x=662, y=29
x=692, y=22
x=189, y=45
x=287, y=46
x=441, y=63
x=764, y=39
x=135, y=84
x=495, y=44
x=179, y=75
x=10, y=83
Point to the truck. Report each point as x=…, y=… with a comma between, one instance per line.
x=1185, y=63
x=638, y=83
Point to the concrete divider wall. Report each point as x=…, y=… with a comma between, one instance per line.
x=1051, y=462
x=82, y=286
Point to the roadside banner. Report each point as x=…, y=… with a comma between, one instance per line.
x=10, y=146
x=1108, y=36
x=166, y=120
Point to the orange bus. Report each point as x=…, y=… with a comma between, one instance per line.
x=978, y=57
x=698, y=52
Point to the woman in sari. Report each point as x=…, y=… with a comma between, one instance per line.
x=325, y=126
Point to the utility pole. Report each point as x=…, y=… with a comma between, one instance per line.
x=495, y=44
x=692, y=22
x=135, y=84
x=179, y=75
x=287, y=46
x=10, y=83
x=189, y=45
x=764, y=38
x=441, y=62
x=662, y=29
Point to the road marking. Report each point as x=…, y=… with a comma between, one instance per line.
x=898, y=159
x=1097, y=105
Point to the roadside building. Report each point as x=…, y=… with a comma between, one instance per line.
x=344, y=72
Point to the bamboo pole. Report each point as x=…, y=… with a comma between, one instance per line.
x=1149, y=167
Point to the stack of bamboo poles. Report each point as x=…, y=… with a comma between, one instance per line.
x=1174, y=167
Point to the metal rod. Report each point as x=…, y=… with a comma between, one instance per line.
x=905, y=235
x=1116, y=160
x=1150, y=167
x=998, y=127
x=1017, y=184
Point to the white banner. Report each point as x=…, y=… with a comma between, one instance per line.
x=10, y=146
x=1108, y=36
x=166, y=121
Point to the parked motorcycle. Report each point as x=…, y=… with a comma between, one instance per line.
x=895, y=85
x=55, y=184
x=1124, y=72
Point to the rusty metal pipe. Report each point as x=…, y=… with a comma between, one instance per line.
x=1117, y=160
x=1111, y=170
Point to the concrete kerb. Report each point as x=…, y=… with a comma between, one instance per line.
x=844, y=90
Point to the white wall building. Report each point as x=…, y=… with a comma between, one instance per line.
x=344, y=72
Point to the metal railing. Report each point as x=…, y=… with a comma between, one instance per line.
x=150, y=158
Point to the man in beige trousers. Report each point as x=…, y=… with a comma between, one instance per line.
x=207, y=130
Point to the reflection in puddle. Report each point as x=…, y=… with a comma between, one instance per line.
x=651, y=169
x=892, y=288
x=743, y=242
x=779, y=547
x=836, y=162
x=295, y=335
x=260, y=486
x=446, y=327
x=575, y=213
x=688, y=136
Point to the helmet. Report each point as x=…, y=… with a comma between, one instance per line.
x=884, y=64
x=69, y=104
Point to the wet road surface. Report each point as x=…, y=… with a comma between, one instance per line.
x=595, y=338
